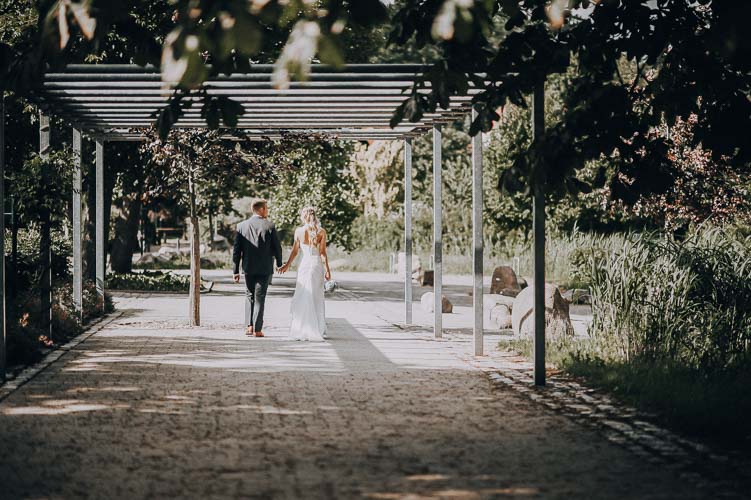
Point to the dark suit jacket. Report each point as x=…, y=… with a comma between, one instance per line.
x=256, y=247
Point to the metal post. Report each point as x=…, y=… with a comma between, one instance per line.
x=99, y=243
x=437, y=235
x=2, y=240
x=77, y=257
x=408, y=231
x=45, y=244
x=477, y=241
x=538, y=128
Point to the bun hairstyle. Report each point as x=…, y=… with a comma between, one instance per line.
x=310, y=222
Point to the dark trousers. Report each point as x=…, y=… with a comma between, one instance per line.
x=255, y=299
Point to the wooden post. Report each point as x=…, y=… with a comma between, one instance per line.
x=477, y=240
x=77, y=255
x=538, y=128
x=99, y=230
x=408, y=231
x=437, y=234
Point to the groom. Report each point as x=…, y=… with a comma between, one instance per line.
x=256, y=246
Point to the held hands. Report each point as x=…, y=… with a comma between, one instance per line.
x=236, y=278
x=283, y=269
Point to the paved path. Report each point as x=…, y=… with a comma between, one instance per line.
x=150, y=408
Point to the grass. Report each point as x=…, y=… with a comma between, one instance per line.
x=712, y=406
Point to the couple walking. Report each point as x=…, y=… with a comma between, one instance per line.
x=256, y=248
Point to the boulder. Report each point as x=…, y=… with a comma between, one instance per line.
x=500, y=316
x=504, y=278
x=426, y=303
x=557, y=319
x=427, y=278
x=490, y=301
x=417, y=274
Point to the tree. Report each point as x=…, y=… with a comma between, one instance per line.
x=703, y=189
x=181, y=165
x=319, y=177
x=633, y=65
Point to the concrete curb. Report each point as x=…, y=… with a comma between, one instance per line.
x=28, y=373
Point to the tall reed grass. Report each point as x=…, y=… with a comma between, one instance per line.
x=686, y=301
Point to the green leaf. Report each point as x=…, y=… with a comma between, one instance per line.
x=398, y=115
x=210, y=112
x=230, y=110
x=329, y=51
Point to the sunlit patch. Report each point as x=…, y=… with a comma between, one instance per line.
x=427, y=477
x=456, y=494
x=54, y=410
x=263, y=409
x=519, y=491
x=84, y=367
x=179, y=398
x=111, y=352
x=79, y=390
x=61, y=402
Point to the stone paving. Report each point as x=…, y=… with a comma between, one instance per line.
x=146, y=407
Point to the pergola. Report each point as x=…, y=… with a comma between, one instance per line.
x=111, y=102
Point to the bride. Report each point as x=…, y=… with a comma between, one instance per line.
x=307, y=309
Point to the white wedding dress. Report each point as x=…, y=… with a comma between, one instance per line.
x=308, y=309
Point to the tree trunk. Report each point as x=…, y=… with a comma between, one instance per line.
x=195, y=260
x=125, y=242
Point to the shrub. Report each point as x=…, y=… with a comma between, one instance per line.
x=26, y=340
x=152, y=281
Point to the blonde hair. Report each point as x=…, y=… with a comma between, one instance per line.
x=310, y=224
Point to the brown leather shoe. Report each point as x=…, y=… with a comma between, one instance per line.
x=259, y=334
x=249, y=331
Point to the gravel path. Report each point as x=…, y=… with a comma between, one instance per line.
x=148, y=408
